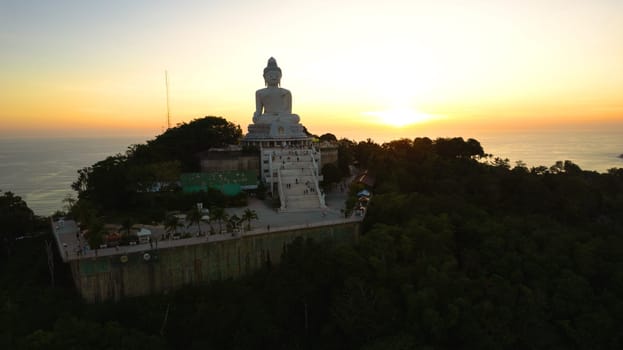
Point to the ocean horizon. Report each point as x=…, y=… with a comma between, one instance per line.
x=41, y=170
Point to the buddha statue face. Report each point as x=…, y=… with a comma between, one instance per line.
x=272, y=73
x=272, y=78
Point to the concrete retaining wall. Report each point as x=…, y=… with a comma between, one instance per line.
x=162, y=270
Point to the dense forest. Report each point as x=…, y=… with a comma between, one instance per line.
x=125, y=182
x=458, y=250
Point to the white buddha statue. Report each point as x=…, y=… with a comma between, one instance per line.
x=273, y=103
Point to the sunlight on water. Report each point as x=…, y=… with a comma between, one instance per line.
x=589, y=150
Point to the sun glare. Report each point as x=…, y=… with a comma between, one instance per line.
x=399, y=117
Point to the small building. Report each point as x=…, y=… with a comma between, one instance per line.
x=144, y=235
x=365, y=179
x=230, y=158
x=328, y=152
x=112, y=239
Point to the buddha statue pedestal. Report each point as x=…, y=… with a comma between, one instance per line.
x=275, y=129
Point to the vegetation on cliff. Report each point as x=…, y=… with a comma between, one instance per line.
x=17, y=223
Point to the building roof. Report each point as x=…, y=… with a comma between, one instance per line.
x=365, y=178
x=143, y=232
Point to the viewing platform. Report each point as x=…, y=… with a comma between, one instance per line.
x=73, y=246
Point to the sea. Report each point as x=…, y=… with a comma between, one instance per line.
x=41, y=170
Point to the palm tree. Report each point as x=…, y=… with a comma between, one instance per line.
x=218, y=214
x=248, y=215
x=194, y=217
x=233, y=222
x=126, y=225
x=171, y=224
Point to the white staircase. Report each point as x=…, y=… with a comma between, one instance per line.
x=298, y=182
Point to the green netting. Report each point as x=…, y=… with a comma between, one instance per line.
x=228, y=182
x=89, y=267
x=231, y=189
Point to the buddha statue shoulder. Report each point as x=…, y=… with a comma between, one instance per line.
x=273, y=103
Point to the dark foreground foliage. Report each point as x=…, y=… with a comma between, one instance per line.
x=457, y=252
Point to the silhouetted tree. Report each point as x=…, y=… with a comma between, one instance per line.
x=248, y=215
x=219, y=215
x=16, y=219
x=330, y=173
x=328, y=137
x=171, y=224
x=194, y=216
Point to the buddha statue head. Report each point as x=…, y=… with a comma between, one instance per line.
x=272, y=73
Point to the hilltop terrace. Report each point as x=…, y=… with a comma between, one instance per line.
x=73, y=246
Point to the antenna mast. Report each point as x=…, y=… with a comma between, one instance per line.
x=166, y=81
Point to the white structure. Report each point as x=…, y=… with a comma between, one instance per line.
x=289, y=164
x=144, y=235
x=273, y=121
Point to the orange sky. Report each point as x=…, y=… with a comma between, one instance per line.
x=355, y=68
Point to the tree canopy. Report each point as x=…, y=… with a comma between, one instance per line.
x=16, y=220
x=130, y=181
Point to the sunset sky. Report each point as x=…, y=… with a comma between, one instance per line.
x=355, y=68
